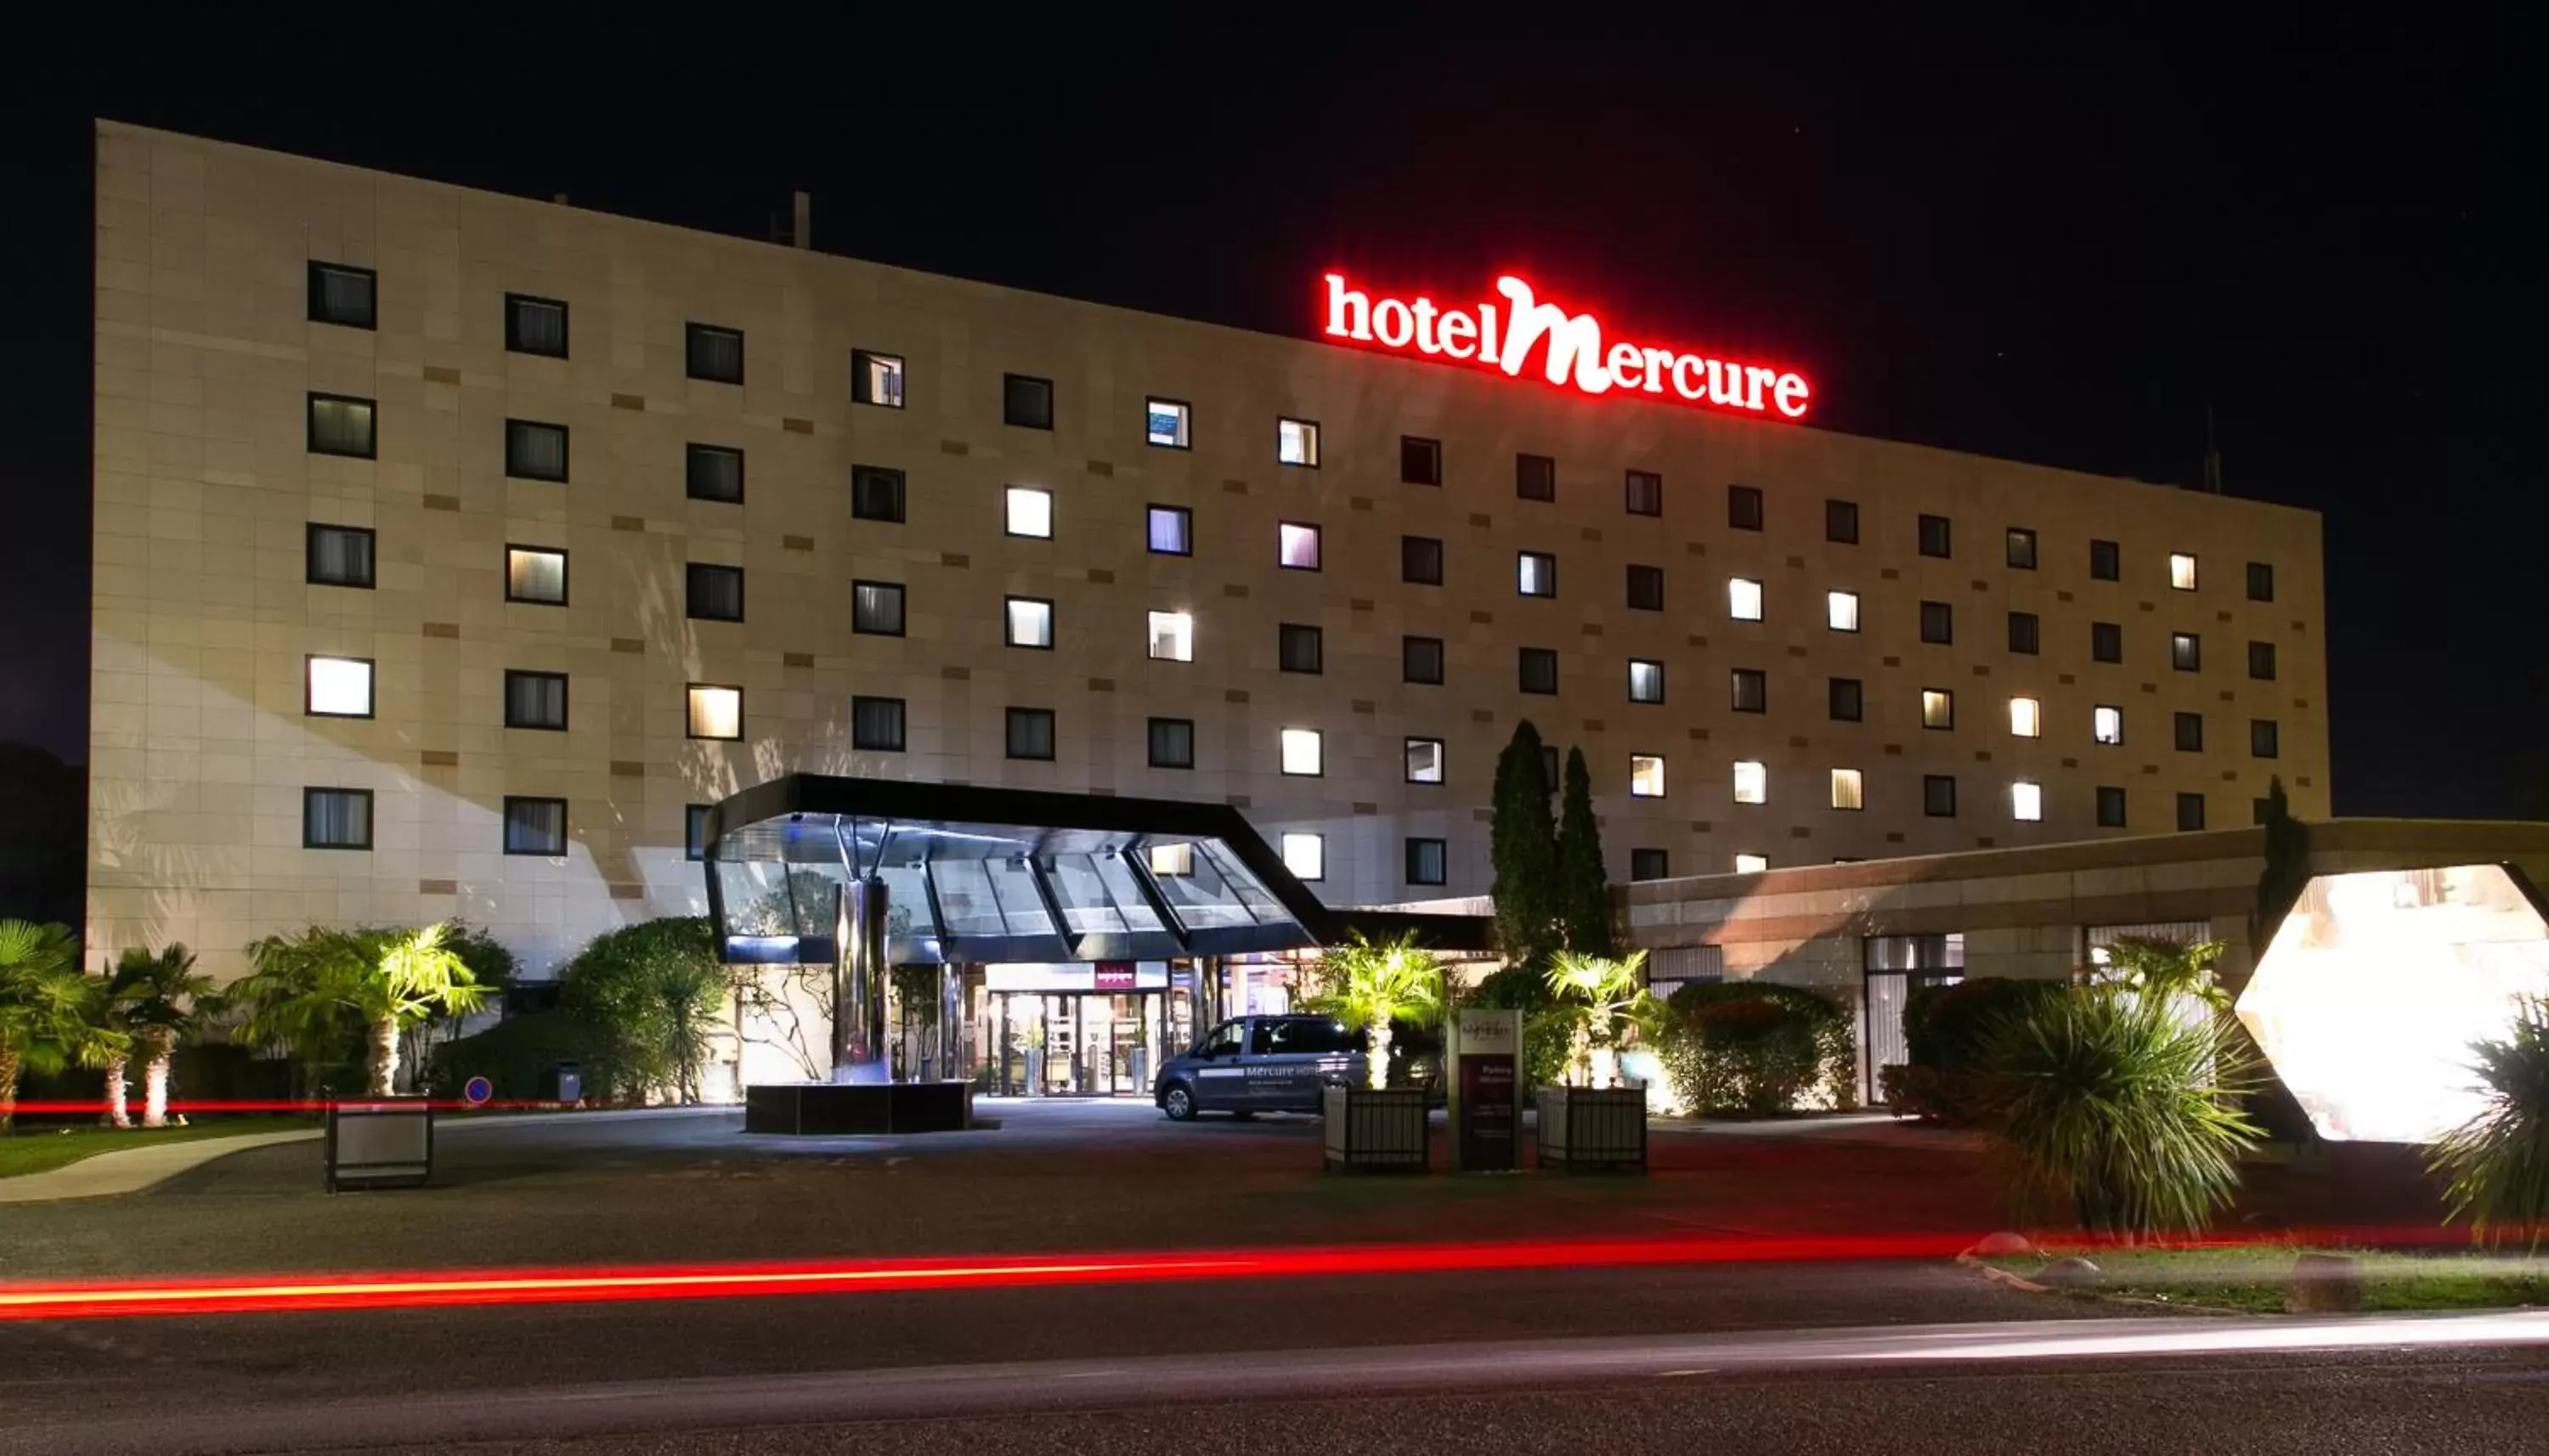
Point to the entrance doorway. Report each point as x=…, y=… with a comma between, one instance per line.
x=1098, y=1030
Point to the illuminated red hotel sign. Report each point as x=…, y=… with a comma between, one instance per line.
x=1503, y=336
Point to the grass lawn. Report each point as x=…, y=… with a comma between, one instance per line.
x=2252, y=1278
x=40, y=1150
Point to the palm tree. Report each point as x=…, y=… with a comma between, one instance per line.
x=1605, y=999
x=46, y=1009
x=1369, y=984
x=159, y=998
x=2498, y=1160
x=306, y=987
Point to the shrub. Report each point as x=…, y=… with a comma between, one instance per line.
x=1547, y=1027
x=519, y=1055
x=1759, y=1046
x=652, y=993
x=1946, y=1029
x=2499, y=1161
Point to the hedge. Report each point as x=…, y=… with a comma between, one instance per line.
x=1759, y=1046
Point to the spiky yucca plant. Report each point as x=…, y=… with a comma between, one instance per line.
x=2499, y=1161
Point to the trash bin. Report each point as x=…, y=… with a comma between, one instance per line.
x=570, y=1082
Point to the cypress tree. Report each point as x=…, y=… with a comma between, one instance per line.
x=1583, y=886
x=2287, y=870
x=1522, y=847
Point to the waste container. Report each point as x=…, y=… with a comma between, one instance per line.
x=570, y=1082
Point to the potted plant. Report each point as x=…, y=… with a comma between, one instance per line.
x=1590, y=1120
x=1365, y=986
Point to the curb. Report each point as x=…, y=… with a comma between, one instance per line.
x=137, y=1170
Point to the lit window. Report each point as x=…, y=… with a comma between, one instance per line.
x=1424, y=760
x=1026, y=402
x=1428, y=862
x=335, y=818
x=1030, y=734
x=1751, y=782
x=1743, y=599
x=1172, y=744
x=1420, y=461
x=1172, y=636
x=715, y=712
x=877, y=724
x=875, y=609
x=1646, y=680
x=2027, y=801
x=875, y=378
x=341, y=426
x=1296, y=546
x=1751, y=690
x=1296, y=442
x=713, y=354
x=342, y=294
x=534, y=325
x=2186, y=652
x=1030, y=512
x=2022, y=549
x=1849, y=790
x=1939, y=796
x=535, y=701
x=2107, y=724
x=2026, y=718
x=712, y=473
x=1536, y=573
x=1303, y=752
x=1173, y=860
x=342, y=556
x=1937, y=708
x=1646, y=775
x=1030, y=622
x=1171, y=531
x=535, y=574
x=534, y=826
x=339, y=687
x=1164, y=423
x=1646, y=498
x=2181, y=572
x=1841, y=611
x=1306, y=855
x=1751, y=864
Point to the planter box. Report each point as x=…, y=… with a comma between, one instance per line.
x=838, y=1108
x=1593, y=1128
x=1384, y=1130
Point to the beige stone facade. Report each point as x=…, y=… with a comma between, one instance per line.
x=204, y=616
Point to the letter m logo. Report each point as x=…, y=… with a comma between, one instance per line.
x=1573, y=341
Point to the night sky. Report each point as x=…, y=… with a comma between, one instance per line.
x=2051, y=246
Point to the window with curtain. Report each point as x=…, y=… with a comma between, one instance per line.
x=716, y=711
x=1751, y=690
x=1300, y=648
x=341, y=424
x=1420, y=560
x=1026, y=402
x=714, y=593
x=1428, y=862
x=1743, y=509
x=876, y=724
x=1420, y=461
x=1646, y=587
x=1646, y=680
x=534, y=325
x=695, y=831
x=1536, y=573
x=535, y=451
x=875, y=378
x=1031, y=733
x=535, y=701
x=1646, y=493
x=1171, y=530
x=876, y=492
x=536, y=575
x=534, y=826
x=1296, y=442
x=715, y=472
x=344, y=295
x=1296, y=546
x=875, y=609
x=337, y=818
x=1420, y=660
x=340, y=556
x=1172, y=743
x=713, y=354
x=1537, y=668
x=1030, y=622
x=1535, y=477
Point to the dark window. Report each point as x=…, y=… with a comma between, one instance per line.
x=2259, y=810
x=1535, y=477
x=876, y=492
x=2022, y=549
x=1549, y=766
x=1299, y=648
x=1647, y=588
x=875, y=378
x=340, y=556
x=1751, y=690
x=534, y=826
x=2261, y=582
x=2261, y=660
x=1539, y=670
x=535, y=451
x=875, y=609
x=2186, y=652
x=2111, y=808
x=1939, y=796
x=714, y=593
x=342, y=294
x=1420, y=461
x=1840, y=521
x=2107, y=641
x=714, y=472
x=1536, y=573
x=1031, y=734
x=2105, y=561
x=1936, y=536
x=1743, y=507
x=714, y=354
x=1172, y=743
x=534, y=325
x=1421, y=659
x=536, y=575
x=1646, y=493
x=1848, y=700
x=1427, y=861
x=876, y=724
x=2190, y=733
x=695, y=831
x=535, y=701
x=1937, y=622
x=1170, y=531
x=341, y=424
x=335, y=818
x=1026, y=402
x=1650, y=864
x=1420, y=560
x=2022, y=633
x=2190, y=812
x=2263, y=738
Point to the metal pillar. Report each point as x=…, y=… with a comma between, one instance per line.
x=859, y=1051
x=951, y=1022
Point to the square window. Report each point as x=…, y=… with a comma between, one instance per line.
x=1296, y=546
x=2261, y=582
x=536, y=575
x=695, y=831
x=713, y=473
x=876, y=724
x=1646, y=680
x=716, y=711
x=1173, y=742
x=338, y=686
x=1646, y=493
x=1172, y=862
x=1650, y=864
x=1170, y=531
x=534, y=325
x=1027, y=512
x=876, y=492
x=1427, y=861
x=875, y=609
x=534, y=826
x=2107, y=642
x=2107, y=724
x=342, y=294
x=1849, y=790
x=1939, y=796
x=1424, y=760
x=335, y=818
x=1296, y=442
x=1840, y=521
x=713, y=354
x=2106, y=562
x=1536, y=573
x=1936, y=538
x=2027, y=801
x=1751, y=690
x=1028, y=623
x=2186, y=652
x=2022, y=549
x=2181, y=572
x=535, y=451
x=1030, y=734
x=1026, y=402
x=340, y=556
x=1841, y=611
x=1305, y=855
x=1420, y=660
x=341, y=424
x=2190, y=812
x=1846, y=698
x=1420, y=461
x=1164, y=423
x=1937, y=708
x=1171, y=636
x=1743, y=599
x=2261, y=660
x=2190, y=733
x=2111, y=808
x=1751, y=864
x=1304, y=751
x=2260, y=810
x=2264, y=739
x=875, y=378
x=1937, y=623
x=1646, y=775
x=1751, y=782
x=1420, y=560
x=1538, y=667
x=714, y=594
x=2023, y=633
x=2026, y=718
x=1744, y=510
x=535, y=701
x=1535, y=477
x=1647, y=588
x=1300, y=648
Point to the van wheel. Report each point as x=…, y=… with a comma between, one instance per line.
x=1179, y=1103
